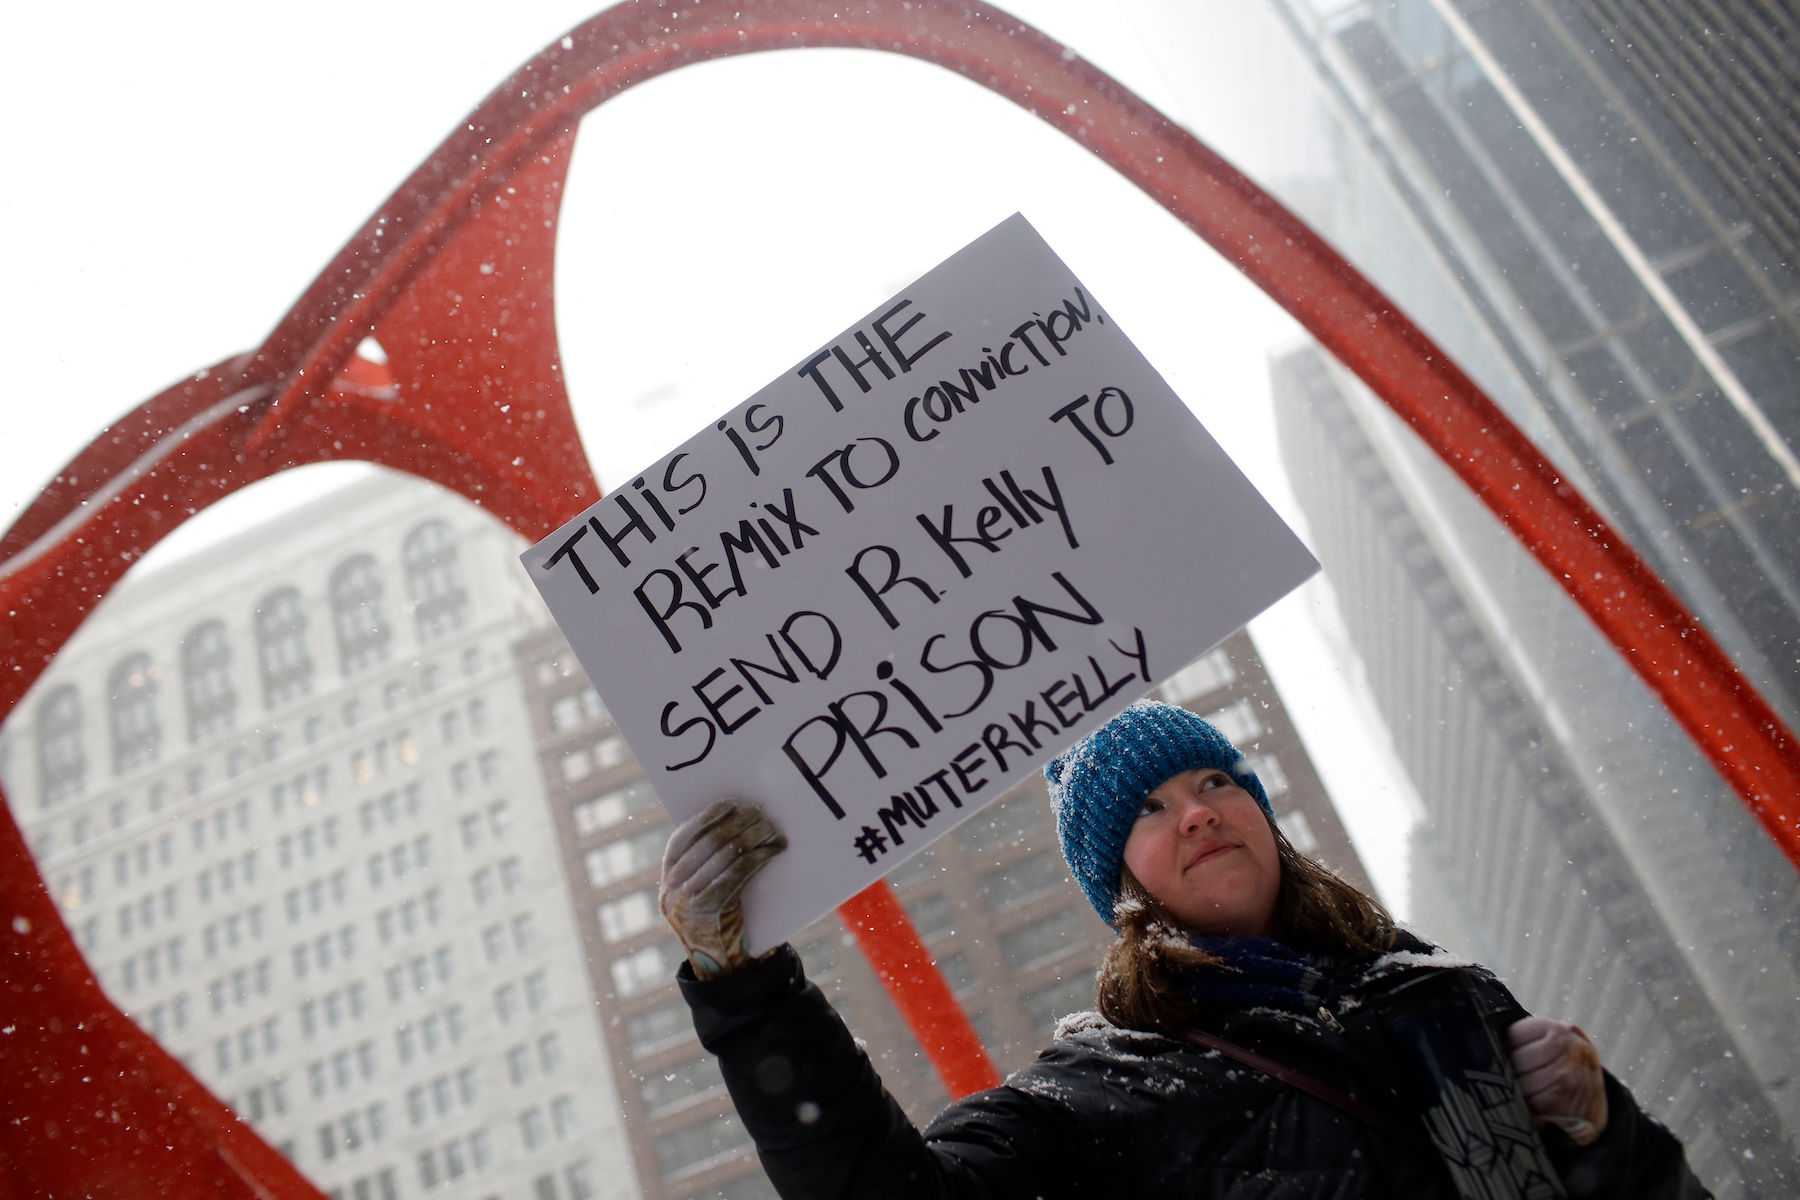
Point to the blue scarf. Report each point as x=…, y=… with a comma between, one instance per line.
x=1262, y=973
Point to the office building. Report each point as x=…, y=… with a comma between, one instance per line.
x=284, y=794
x=1559, y=195
x=1589, y=207
x=1587, y=893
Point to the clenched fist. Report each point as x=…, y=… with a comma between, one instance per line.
x=1559, y=1072
x=709, y=859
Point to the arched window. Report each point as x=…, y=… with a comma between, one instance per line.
x=434, y=581
x=281, y=652
x=362, y=633
x=62, y=758
x=131, y=705
x=206, y=681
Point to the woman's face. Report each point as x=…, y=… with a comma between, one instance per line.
x=1202, y=846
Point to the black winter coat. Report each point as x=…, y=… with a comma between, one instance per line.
x=1109, y=1112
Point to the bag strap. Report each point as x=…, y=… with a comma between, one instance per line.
x=1382, y=1122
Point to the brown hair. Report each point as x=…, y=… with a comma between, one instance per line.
x=1141, y=979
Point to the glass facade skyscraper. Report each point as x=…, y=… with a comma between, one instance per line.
x=1548, y=190
x=1571, y=840
x=1555, y=192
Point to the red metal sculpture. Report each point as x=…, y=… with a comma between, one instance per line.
x=453, y=277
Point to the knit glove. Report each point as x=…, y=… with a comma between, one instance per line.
x=709, y=859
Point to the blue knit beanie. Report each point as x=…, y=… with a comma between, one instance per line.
x=1098, y=785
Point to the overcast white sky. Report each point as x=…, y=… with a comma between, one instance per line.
x=190, y=169
x=176, y=175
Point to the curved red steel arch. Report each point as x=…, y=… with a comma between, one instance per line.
x=93, y=1104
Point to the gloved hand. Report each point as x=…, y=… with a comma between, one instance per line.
x=1559, y=1072
x=709, y=859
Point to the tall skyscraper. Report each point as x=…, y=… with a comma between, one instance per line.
x=1522, y=861
x=1014, y=937
x=284, y=794
x=1584, y=205
x=1721, y=76
x=1588, y=206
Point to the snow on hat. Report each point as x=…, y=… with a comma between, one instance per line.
x=1098, y=785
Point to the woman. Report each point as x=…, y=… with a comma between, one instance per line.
x=1240, y=1048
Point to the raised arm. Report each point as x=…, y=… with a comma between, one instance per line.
x=823, y=1124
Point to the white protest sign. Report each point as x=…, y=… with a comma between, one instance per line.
x=964, y=532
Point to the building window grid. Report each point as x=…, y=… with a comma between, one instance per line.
x=1617, y=355
x=61, y=750
x=549, y=1048
x=131, y=707
x=1239, y=721
x=562, y=1116
x=440, y=603
x=206, y=681
x=644, y=969
x=1270, y=773
x=614, y=807
x=1206, y=674
x=362, y=632
x=518, y=1064
x=283, y=659
x=1296, y=826
x=532, y=1128
x=628, y=915
x=626, y=856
